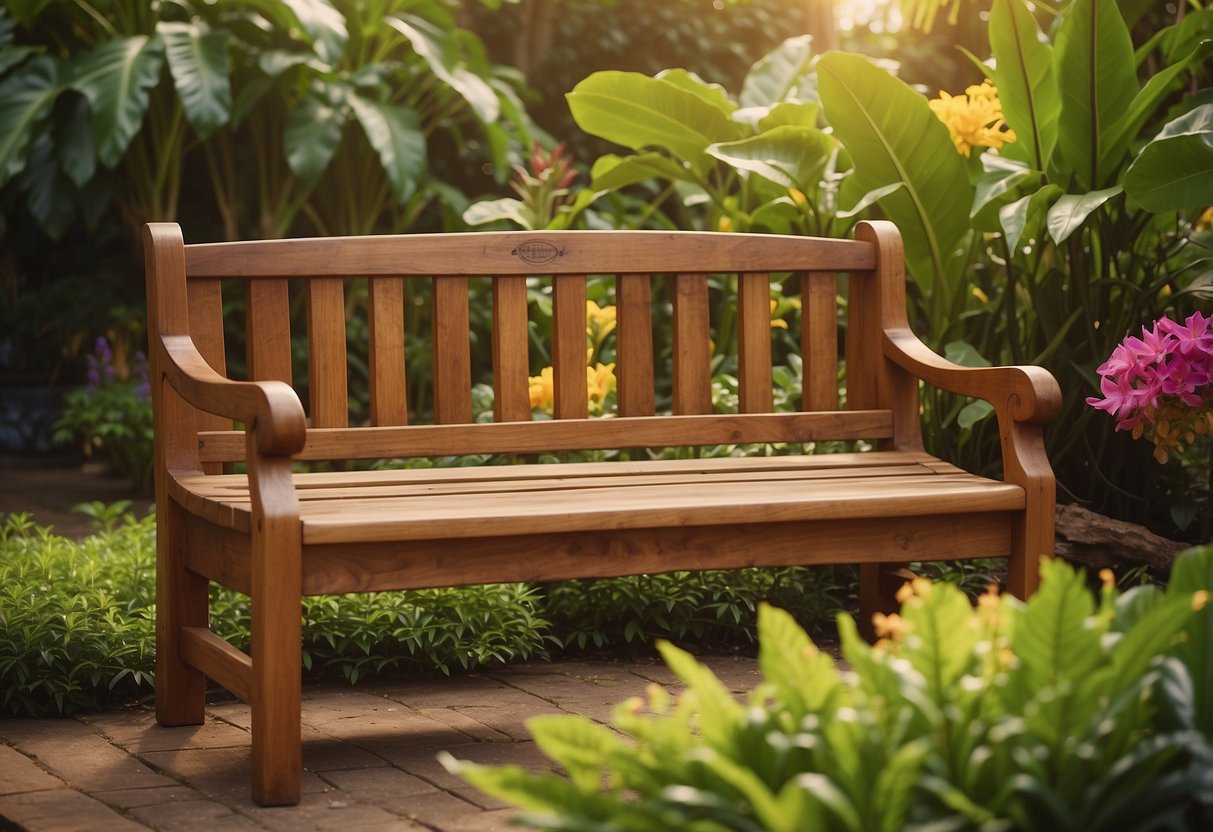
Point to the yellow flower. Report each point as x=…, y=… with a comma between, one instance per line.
x=724, y=224
x=599, y=323
x=980, y=295
x=777, y=323
x=542, y=390
x=798, y=196
x=1205, y=220
x=974, y=119
x=600, y=381
x=889, y=626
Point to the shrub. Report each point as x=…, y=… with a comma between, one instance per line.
x=1058, y=714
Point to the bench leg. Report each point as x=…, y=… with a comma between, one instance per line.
x=1031, y=539
x=878, y=585
x=277, y=758
x=181, y=601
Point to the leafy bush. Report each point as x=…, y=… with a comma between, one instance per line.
x=1058, y=714
x=77, y=627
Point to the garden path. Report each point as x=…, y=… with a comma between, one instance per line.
x=369, y=751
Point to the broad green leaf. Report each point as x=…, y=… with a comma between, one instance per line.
x=394, y=131
x=719, y=712
x=324, y=25
x=1175, y=170
x=536, y=792
x=116, y=78
x=964, y=354
x=792, y=114
x=714, y=94
x=640, y=112
x=198, y=62
x=1144, y=105
x=1021, y=219
x=495, y=210
x=822, y=790
x=868, y=199
x=1093, y=64
x=11, y=56
x=783, y=74
x=896, y=784
x=581, y=746
x=49, y=195
x=1070, y=211
x=311, y=136
x=804, y=677
x=942, y=645
x=893, y=136
x=25, y=102
x=1024, y=77
x=441, y=54
x=611, y=172
x=1052, y=637
x=1192, y=572
x=1150, y=637
x=791, y=157
x=74, y=139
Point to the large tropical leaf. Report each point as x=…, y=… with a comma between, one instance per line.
x=25, y=101
x=1192, y=573
x=1175, y=170
x=1146, y=103
x=1093, y=62
x=783, y=74
x=395, y=133
x=441, y=54
x=1003, y=182
x=1024, y=77
x=198, y=62
x=49, y=195
x=311, y=136
x=640, y=112
x=791, y=157
x=324, y=25
x=116, y=78
x=73, y=139
x=1021, y=219
x=892, y=136
x=611, y=172
x=1052, y=636
x=714, y=94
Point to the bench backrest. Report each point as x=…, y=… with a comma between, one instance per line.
x=674, y=267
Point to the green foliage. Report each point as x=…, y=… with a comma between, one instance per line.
x=1058, y=714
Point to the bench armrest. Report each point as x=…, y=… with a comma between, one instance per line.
x=1024, y=394
x=270, y=409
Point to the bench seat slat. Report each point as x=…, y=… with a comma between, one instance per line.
x=524, y=501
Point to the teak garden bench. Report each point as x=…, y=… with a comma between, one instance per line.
x=276, y=534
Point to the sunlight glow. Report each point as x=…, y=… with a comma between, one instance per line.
x=879, y=16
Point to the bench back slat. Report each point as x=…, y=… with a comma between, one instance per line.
x=326, y=355
x=452, y=358
x=692, y=345
x=206, y=324
x=754, y=343
x=668, y=273
x=572, y=434
x=570, y=398
x=511, y=348
x=385, y=355
x=819, y=340
x=268, y=327
x=634, y=393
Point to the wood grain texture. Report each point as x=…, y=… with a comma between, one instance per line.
x=326, y=357
x=385, y=355
x=525, y=253
x=571, y=397
x=452, y=366
x=218, y=660
x=511, y=351
x=819, y=340
x=268, y=328
x=755, y=393
x=634, y=345
x=692, y=345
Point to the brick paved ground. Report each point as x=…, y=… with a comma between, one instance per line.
x=368, y=753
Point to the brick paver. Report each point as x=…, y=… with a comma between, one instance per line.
x=369, y=754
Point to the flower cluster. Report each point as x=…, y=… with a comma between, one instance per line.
x=1161, y=385
x=600, y=378
x=973, y=119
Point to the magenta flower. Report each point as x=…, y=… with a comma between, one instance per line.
x=1161, y=384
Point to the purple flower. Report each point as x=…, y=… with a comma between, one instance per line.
x=102, y=347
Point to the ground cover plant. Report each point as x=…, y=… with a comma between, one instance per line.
x=77, y=630
x=1069, y=712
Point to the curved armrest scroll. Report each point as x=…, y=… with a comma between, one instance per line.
x=269, y=408
x=1028, y=394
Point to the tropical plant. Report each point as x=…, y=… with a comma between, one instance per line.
x=1058, y=714
x=1065, y=238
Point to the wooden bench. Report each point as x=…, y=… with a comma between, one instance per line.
x=276, y=534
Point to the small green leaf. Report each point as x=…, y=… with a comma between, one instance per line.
x=311, y=136
x=1069, y=212
x=783, y=74
x=791, y=157
x=611, y=172
x=495, y=210
x=974, y=412
x=1021, y=219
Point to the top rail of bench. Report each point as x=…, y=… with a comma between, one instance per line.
x=528, y=253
